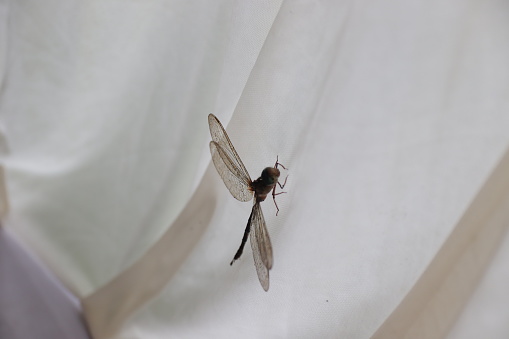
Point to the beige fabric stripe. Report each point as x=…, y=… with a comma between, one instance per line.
x=4, y=200
x=431, y=307
x=109, y=307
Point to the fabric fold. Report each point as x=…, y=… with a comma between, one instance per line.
x=107, y=309
x=437, y=298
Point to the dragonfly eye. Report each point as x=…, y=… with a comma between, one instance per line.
x=270, y=175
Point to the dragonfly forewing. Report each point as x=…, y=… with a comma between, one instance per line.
x=219, y=135
x=234, y=178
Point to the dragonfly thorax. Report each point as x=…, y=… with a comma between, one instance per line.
x=265, y=183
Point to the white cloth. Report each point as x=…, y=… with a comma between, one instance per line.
x=389, y=115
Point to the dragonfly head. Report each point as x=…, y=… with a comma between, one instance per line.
x=270, y=176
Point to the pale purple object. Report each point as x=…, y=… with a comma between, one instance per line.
x=33, y=304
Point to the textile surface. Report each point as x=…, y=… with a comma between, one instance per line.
x=390, y=116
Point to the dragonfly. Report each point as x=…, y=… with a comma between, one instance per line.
x=236, y=178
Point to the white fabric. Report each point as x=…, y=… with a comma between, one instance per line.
x=486, y=313
x=434, y=302
x=389, y=115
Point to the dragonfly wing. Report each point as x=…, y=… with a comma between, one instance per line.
x=261, y=246
x=219, y=135
x=234, y=178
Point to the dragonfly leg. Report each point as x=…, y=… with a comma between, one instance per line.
x=275, y=203
x=283, y=185
x=278, y=163
x=274, y=197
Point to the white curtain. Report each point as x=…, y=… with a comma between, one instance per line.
x=392, y=118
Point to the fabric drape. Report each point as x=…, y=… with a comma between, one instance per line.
x=391, y=117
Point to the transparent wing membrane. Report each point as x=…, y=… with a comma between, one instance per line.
x=236, y=182
x=228, y=163
x=219, y=135
x=261, y=246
